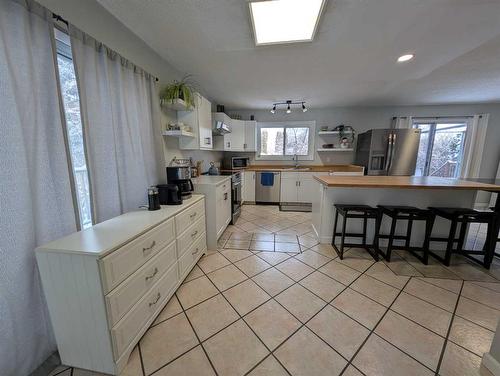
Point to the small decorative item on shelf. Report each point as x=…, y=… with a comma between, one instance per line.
x=345, y=131
x=183, y=89
x=173, y=127
x=344, y=143
x=236, y=116
x=324, y=128
x=327, y=146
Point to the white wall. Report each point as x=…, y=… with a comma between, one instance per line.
x=365, y=118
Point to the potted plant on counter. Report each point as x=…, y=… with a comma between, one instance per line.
x=179, y=92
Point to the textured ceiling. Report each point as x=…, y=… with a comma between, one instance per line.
x=350, y=62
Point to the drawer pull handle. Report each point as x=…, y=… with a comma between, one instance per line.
x=194, y=234
x=195, y=252
x=193, y=215
x=155, y=272
x=156, y=300
x=146, y=249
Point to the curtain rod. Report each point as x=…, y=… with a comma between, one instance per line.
x=60, y=19
x=437, y=117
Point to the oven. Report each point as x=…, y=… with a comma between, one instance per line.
x=236, y=190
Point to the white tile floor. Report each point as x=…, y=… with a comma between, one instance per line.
x=271, y=301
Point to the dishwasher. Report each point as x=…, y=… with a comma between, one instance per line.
x=265, y=194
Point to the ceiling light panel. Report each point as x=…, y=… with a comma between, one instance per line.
x=285, y=21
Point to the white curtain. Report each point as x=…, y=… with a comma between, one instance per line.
x=36, y=204
x=402, y=122
x=474, y=145
x=120, y=110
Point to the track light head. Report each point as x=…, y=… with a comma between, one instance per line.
x=304, y=109
x=274, y=109
x=288, y=110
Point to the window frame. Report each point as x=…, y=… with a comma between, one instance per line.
x=62, y=45
x=467, y=142
x=287, y=124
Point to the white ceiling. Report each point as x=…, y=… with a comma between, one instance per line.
x=350, y=62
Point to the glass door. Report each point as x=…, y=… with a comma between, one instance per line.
x=441, y=149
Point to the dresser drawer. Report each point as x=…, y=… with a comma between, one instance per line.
x=187, y=260
x=120, y=300
x=189, y=216
x=190, y=235
x=127, y=259
x=128, y=327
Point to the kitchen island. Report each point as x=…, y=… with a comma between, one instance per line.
x=421, y=192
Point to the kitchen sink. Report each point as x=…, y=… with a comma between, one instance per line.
x=297, y=169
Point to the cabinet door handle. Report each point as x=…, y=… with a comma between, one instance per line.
x=156, y=300
x=155, y=272
x=196, y=251
x=299, y=183
x=193, y=215
x=225, y=196
x=194, y=234
x=147, y=249
x=244, y=146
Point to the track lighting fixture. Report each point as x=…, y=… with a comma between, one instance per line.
x=289, y=104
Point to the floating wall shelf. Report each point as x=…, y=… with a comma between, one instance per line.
x=177, y=105
x=178, y=134
x=334, y=149
x=333, y=133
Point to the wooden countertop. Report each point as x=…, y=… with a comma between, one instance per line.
x=405, y=182
x=310, y=168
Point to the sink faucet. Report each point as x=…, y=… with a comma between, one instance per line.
x=296, y=159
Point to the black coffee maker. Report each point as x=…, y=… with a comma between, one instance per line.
x=181, y=176
x=169, y=194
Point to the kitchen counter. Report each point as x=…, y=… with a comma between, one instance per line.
x=405, y=182
x=304, y=168
x=210, y=179
x=421, y=192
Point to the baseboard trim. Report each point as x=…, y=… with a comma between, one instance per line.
x=491, y=364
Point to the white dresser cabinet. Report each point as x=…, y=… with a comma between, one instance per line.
x=105, y=285
x=217, y=191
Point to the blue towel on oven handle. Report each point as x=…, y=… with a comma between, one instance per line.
x=267, y=179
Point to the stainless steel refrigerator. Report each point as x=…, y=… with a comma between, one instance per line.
x=388, y=151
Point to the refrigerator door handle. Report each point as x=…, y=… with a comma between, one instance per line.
x=393, y=145
x=388, y=153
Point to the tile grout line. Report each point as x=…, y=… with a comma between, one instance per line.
x=448, y=332
x=373, y=330
x=140, y=356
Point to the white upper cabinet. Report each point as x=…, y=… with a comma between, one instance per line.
x=242, y=136
x=200, y=120
x=250, y=136
x=205, y=124
x=235, y=141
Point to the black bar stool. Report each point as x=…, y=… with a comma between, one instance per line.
x=464, y=217
x=409, y=214
x=364, y=212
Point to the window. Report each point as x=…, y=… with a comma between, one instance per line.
x=282, y=141
x=71, y=100
x=442, y=147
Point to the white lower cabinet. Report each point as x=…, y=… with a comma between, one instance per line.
x=106, y=285
x=248, y=191
x=217, y=191
x=297, y=187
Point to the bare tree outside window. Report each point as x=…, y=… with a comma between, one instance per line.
x=284, y=141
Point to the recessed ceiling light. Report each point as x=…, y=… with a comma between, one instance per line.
x=404, y=58
x=285, y=21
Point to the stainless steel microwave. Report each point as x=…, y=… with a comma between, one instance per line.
x=236, y=163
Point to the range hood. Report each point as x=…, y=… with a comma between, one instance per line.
x=221, y=128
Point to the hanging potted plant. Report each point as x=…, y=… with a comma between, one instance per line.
x=183, y=89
